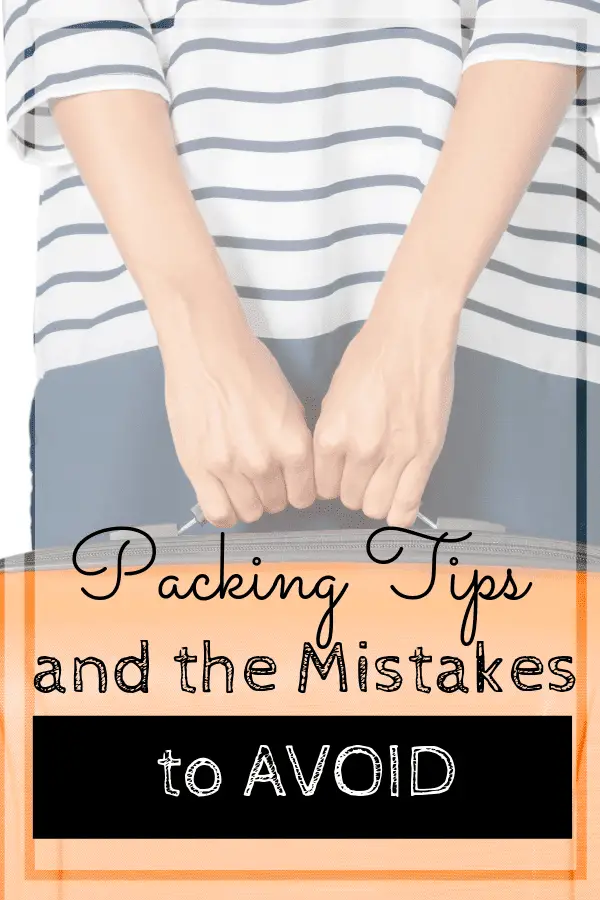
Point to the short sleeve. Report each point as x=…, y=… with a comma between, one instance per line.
x=58, y=48
x=555, y=31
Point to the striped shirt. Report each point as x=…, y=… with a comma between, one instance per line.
x=307, y=130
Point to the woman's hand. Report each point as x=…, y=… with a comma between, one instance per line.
x=384, y=418
x=238, y=428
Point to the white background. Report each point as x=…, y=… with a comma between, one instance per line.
x=18, y=210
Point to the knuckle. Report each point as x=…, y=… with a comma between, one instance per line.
x=219, y=462
x=251, y=513
x=365, y=450
x=259, y=466
x=275, y=506
x=431, y=450
x=302, y=496
x=405, y=444
x=296, y=452
x=349, y=501
x=326, y=488
x=401, y=518
x=410, y=451
x=409, y=498
x=302, y=502
x=327, y=493
x=374, y=510
x=412, y=501
x=220, y=518
x=328, y=442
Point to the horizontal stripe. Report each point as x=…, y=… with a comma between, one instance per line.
x=316, y=93
x=279, y=295
x=18, y=14
x=81, y=74
x=318, y=143
x=564, y=144
x=559, y=237
x=539, y=352
x=317, y=243
x=284, y=196
x=71, y=182
x=322, y=42
x=361, y=111
x=318, y=293
x=80, y=278
x=317, y=193
x=523, y=324
x=533, y=40
x=43, y=148
x=285, y=268
x=122, y=335
x=488, y=336
x=69, y=230
x=167, y=23
x=582, y=4
x=247, y=243
x=245, y=292
x=86, y=324
x=564, y=190
x=162, y=25
x=73, y=30
x=307, y=194
x=556, y=284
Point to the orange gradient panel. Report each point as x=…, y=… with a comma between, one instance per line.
x=46, y=614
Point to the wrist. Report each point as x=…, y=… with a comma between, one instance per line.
x=198, y=325
x=430, y=272
x=418, y=301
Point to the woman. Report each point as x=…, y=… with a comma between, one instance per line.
x=274, y=236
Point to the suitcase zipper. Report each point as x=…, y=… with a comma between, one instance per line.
x=491, y=548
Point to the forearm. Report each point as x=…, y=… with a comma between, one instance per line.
x=123, y=145
x=506, y=117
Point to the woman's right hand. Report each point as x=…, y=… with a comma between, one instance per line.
x=238, y=428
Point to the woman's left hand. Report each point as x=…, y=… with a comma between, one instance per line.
x=383, y=421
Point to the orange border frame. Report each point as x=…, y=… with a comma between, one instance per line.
x=2, y=738
x=580, y=806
